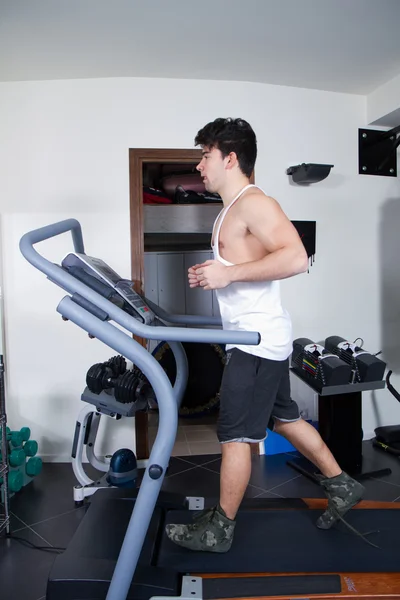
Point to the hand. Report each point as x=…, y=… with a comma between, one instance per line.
x=193, y=282
x=211, y=275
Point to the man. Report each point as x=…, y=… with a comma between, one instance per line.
x=255, y=245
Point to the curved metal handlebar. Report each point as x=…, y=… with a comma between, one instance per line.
x=168, y=397
x=391, y=388
x=72, y=285
x=47, y=232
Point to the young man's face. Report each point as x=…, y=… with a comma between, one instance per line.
x=212, y=169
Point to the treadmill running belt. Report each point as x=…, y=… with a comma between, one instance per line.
x=289, y=542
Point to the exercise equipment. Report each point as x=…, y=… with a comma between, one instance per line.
x=337, y=362
x=365, y=366
x=129, y=386
x=316, y=364
x=205, y=367
x=105, y=375
x=112, y=392
x=123, y=469
x=119, y=551
x=339, y=371
x=23, y=463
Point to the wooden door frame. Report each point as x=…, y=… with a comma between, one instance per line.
x=137, y=158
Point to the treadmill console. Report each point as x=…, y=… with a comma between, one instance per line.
x=91, y=270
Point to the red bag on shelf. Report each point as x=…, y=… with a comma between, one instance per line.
x=154, y=196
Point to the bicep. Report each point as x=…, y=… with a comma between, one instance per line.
x=266, y=220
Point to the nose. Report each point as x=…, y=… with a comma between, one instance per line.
x=200, y=166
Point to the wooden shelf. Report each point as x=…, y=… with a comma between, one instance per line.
x=174, y=204
x=174, y=242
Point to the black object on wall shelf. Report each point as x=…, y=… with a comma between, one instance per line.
x=307, y=233
x=307, y=173
x=377, y=151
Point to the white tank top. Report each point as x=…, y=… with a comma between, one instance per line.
x=254, y=306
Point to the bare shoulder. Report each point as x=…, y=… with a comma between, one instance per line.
x=265, y=219
x=256, y=202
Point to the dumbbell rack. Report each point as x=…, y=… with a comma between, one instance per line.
x=340, y=426
x=4, y=515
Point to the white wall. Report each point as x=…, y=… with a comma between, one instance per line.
x=64, y=152
x=383, y=104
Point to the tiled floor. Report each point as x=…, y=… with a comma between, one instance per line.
x=195, y=436
x=43, y=514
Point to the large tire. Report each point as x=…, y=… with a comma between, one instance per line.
x=206, y=366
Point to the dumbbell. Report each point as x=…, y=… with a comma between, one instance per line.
x=33, y=466
x=15, y=481
x=367, y=367
x=126, y=386
x=30, y=448
x=102, y=376
x=16, y=458
x=16, y=438
x=133, y=387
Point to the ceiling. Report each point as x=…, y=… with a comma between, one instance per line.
x=337, y=45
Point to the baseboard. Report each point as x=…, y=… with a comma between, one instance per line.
x=66, y=458
x=56, y=458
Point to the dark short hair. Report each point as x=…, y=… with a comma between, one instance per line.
x=231, y=135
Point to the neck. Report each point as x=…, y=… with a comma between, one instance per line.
x=231, y=189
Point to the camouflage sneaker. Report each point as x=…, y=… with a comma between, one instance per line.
x=343, y=493
x=210, y=531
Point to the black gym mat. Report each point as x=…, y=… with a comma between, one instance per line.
x=280, y=541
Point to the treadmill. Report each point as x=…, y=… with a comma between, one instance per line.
x=120, y=550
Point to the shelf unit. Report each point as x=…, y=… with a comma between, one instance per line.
x=140, y=158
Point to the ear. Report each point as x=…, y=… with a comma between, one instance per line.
x=231, y=161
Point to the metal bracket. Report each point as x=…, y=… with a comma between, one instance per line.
x=195, y=503
x=377, y=152
x=192, y=587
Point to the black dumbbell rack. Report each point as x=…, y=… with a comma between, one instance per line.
x=340, y=425
x=4, y=512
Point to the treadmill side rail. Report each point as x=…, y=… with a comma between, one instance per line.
x=192, y=587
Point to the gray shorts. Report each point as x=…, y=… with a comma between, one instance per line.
x=254, y=392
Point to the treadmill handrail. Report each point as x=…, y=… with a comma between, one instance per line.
x=48, y=231
x=168, y=398
x=67, y=282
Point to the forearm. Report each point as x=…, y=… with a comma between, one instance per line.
x=281, y=264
